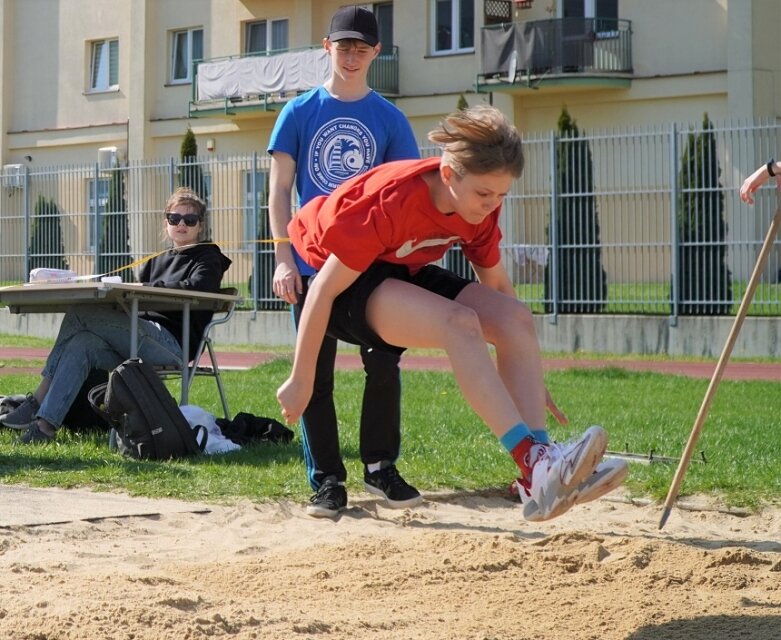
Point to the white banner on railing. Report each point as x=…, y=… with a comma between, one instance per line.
x=256, y=75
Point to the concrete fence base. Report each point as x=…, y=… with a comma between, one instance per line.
x=759, y=337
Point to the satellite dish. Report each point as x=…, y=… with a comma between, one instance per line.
x=512, y=67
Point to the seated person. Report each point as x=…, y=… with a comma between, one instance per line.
x=97, y=337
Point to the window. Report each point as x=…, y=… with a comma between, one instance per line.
x=603, y=12
x=606, y=18
x=93, y=204
x=187, y=46
x=384, y=14
x=251, y=201
x=265, y=35
x=104, y=65
x=454, y=26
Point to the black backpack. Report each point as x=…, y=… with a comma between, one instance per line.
x=146, y=421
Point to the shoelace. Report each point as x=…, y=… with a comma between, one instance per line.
x=325, y=493
x=393, y=478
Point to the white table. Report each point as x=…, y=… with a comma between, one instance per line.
x=58, y=297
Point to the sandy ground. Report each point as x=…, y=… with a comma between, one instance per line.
x=459, y=566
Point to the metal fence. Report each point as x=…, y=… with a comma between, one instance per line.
x=623, y=222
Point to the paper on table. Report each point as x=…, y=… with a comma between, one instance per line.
x=42, y=274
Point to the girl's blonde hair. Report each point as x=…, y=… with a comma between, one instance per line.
x=186, y=196
x=479, y=140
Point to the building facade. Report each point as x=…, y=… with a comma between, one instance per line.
x=77, y=76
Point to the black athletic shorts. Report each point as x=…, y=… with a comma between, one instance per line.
x=348, y=317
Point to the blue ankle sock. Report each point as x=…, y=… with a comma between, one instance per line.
x=541, y=435
x=514, y=435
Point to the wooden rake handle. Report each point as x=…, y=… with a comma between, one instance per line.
x=683, y=465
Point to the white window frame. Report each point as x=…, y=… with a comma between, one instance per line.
x=100, y=65
x=269, y=27
x=455, y=17
x=188, y=77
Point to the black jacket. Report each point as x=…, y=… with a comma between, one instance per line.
x=199, y=268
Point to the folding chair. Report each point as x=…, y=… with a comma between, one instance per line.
x=194, y=367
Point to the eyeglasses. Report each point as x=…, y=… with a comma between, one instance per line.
x=190, y=219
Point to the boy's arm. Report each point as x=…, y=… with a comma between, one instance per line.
x=331, y=280
x=286, y=283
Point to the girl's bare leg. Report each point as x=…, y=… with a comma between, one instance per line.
x=408, y=316
x=507, y=323
x=405, y=315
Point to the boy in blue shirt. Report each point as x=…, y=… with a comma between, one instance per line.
x=321, y=138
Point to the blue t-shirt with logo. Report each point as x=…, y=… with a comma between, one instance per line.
x=332, y=141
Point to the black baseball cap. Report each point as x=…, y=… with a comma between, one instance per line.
x=354, y=23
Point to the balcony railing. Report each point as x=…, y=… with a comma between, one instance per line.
x=564, y=47
x=266, y=81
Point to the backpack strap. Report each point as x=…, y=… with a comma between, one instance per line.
x=97, y=400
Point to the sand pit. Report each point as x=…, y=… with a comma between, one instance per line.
x=460, y=566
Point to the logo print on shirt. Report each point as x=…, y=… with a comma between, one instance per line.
x=341, y=149
x=410, y=246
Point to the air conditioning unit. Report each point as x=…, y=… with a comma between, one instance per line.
x=12, y=176
x=109, y=157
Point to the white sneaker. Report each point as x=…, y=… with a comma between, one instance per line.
x=557, y=475
x=608, y=475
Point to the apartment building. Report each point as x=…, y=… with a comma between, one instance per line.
x=77, y=76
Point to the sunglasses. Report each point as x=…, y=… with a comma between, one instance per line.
x=190, y=219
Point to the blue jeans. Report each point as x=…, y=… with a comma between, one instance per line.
x=95, y=337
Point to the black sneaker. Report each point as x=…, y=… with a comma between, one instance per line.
x=330, y=499
x=388, y=483
x=34, y=435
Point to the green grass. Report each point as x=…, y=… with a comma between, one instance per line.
x=653, y=298
x=445, y=446
x=9, y=340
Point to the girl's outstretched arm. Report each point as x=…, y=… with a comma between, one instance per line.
x=294, y=394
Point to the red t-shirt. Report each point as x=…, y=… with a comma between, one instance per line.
x=387, y=215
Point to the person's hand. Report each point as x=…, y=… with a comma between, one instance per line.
x=754, y=182
x=293, y=398
x=557, y=413
x=287, y=282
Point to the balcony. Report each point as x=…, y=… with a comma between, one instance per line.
x=564, y=52
x=238, y=85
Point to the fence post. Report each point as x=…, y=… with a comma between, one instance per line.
x=255, y=236
x=171, y=176
x=675, y=238
x=553, y=273
x=26, y=213
x=98, y=213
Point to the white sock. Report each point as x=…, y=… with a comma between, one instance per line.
x=374, y=466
